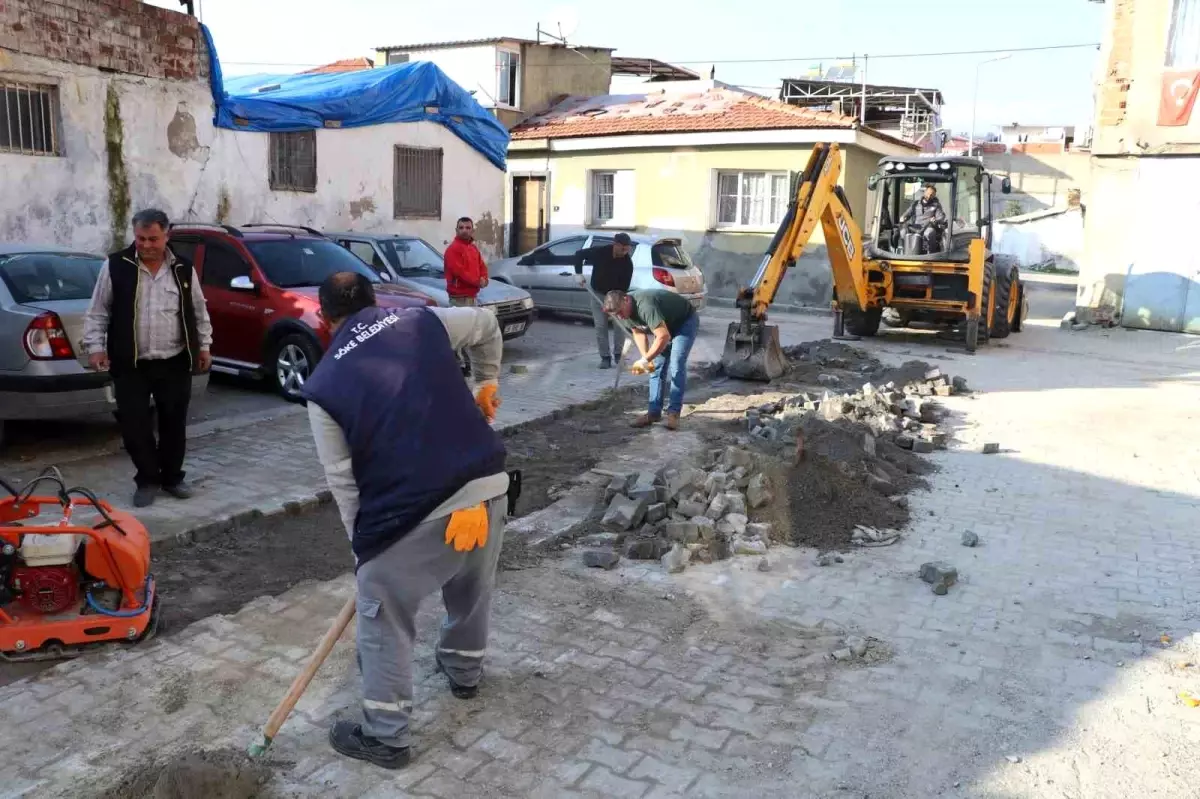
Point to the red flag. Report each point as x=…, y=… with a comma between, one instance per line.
x=1179, y=90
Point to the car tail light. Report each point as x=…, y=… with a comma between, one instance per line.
x=663, y=276
x=45, y=339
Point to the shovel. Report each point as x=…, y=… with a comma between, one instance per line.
x=626, y=328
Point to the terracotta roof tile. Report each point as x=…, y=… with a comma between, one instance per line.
x=345, y=65
x=717, y=109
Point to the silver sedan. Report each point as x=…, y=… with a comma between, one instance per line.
x=413, y=263
x=44, y=375
x=548, y=272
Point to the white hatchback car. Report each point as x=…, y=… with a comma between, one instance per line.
x=548, y=272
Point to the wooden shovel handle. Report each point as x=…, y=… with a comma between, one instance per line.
x=300, y=684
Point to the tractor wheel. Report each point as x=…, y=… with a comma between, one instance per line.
x=1008, y=302
x=976, y=330
x=862, y=323
x=1021, y=309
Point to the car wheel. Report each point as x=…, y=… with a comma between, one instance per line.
x=292, y=361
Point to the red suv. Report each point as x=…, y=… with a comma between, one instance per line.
x=260, y=283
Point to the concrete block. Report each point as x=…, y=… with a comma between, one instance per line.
x=601, y=559
x=624, y=513
x=683, y=532
x=758, y=491
x=735, y=502
x=656, y=512
x=676, y=559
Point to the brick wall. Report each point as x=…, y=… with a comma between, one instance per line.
x=125, y=36
x=1114, y=91
x=1039, y=147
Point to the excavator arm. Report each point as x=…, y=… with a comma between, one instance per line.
x=752, y=348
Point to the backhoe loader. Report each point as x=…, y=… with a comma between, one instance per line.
x=928, y=271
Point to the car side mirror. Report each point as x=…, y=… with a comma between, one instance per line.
x=1005, y=186
x=243, y=283
x=526, y=261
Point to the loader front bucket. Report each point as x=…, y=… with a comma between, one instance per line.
x=753, y=353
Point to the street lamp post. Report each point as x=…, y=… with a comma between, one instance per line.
x=975, y=98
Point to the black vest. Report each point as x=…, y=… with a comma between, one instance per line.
x=122, y=319
x=391, y=381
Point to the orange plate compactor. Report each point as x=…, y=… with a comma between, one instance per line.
x=67, y=586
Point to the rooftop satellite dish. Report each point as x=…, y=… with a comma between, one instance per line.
x=560, y=23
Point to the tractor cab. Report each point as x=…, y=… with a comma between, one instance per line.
x=930, y=208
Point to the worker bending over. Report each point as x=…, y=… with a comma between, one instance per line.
x=418, y=477
x=664, y=329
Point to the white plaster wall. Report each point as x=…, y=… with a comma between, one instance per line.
x=1052, y=240
x=176, y=160
x=64, y=200
x=473, y=68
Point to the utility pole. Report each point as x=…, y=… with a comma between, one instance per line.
x=975, y=100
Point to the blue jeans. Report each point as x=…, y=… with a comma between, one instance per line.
x=671, y=365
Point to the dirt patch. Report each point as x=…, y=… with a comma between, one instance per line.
x=223, y=572
x=822, y=502
x=551, y=453
x=843, y=442
x=221, y=774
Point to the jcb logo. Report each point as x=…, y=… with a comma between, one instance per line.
x=847, y=241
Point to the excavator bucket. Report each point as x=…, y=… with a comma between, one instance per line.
x=752, y=352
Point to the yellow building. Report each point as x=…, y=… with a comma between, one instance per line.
x=700, y=160
x=1145, y=165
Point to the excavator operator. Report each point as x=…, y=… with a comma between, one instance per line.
x=926, y=214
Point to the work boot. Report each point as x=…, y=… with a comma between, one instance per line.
x=459, y=691
x=606, y=362
x=672, y=421
x=180, y=490
x=347, y=739
x=645, y=420
x=144, y=496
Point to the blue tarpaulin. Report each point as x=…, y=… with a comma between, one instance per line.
x=401, y=93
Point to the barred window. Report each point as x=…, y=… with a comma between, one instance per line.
x=417, y=192
x=29, y=119
x=294, y=161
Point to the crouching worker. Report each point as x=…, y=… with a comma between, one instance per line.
x=418, y=477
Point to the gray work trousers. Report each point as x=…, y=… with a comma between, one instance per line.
x=391, y=587
x=602, y=324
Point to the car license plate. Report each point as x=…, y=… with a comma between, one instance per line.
x=515, y=327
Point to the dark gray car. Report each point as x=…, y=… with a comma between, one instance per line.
x=44, y=294
x=413, y=263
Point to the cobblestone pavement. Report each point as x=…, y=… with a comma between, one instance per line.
x=1052, y=669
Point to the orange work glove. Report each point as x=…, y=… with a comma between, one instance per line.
x=488, y=400
x=642, y=367
x=468, y=528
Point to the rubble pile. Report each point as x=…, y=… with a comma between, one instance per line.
x=828, y=471
x=907, y=415
x=680, y=516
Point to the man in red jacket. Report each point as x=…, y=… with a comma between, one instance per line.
x=466, y=273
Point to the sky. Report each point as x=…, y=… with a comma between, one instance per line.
x=1031, y=88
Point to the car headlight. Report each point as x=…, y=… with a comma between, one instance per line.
x=527, y=303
